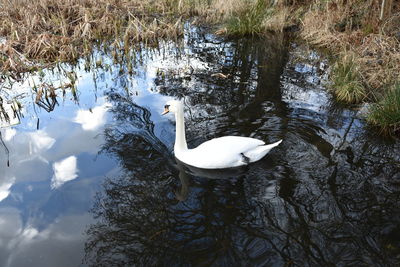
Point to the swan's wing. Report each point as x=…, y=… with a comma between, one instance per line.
x=222, y=152
x=230, y=144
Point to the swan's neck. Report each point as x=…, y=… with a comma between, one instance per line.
x=180, y=138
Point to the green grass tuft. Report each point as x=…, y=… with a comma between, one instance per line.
x=248, y=21
x=386, y=114
x=347, y=81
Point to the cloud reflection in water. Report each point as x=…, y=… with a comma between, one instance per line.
x=64, y=171
x=92, y=119
x=5, y=189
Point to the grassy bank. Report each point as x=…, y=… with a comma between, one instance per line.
x=362, y=35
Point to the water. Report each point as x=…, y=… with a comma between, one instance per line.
x=94, y=182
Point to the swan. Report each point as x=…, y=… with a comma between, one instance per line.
x=218, y=153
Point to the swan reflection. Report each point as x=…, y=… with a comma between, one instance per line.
x=226, y=173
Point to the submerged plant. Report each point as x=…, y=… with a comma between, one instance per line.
x=347, y=81
x=386, y=113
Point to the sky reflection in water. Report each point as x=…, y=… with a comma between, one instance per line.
x=97, y=182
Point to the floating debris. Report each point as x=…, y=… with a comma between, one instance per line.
x=220, y=75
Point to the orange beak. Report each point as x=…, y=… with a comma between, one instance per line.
x=166, y=110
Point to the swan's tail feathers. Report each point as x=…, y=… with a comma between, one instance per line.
x=260, y=151
x=271, y=146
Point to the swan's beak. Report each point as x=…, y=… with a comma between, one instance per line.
x=166, y=110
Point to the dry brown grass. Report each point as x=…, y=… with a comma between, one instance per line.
x=379, y=58
x=50, y=31
x=42, y=32
x=356, y=30
x=46, y=31
x=281, y=18
x=355, y=27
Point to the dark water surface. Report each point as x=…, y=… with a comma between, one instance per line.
x=94, y=181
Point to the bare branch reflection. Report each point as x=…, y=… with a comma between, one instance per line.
x=140, y=219
x=329, y=196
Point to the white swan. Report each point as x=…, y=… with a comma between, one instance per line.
x=218, y=153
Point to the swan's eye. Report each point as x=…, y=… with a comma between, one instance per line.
x=166, y=106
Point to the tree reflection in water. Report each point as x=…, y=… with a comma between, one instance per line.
x=142, y=222
x=329, y=195
x=338, y=220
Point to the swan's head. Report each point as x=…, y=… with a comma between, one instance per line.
x=173, y=106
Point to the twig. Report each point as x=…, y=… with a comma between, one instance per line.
x=7, y=151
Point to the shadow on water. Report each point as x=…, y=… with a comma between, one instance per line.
x=328, y=195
